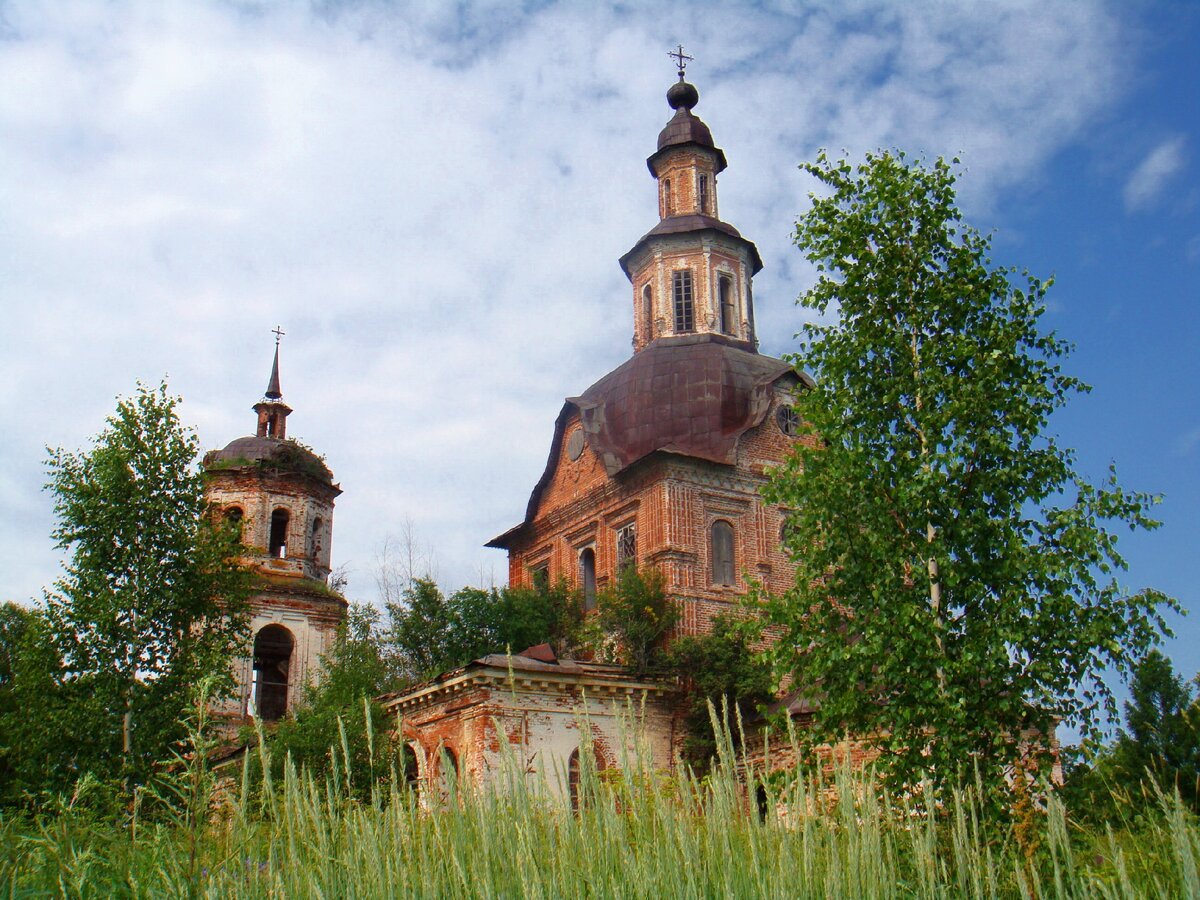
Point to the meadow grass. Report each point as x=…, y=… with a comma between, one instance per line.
x=640, y=834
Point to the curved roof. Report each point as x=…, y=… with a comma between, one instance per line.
x=286, y=455
x=691, y=224
x=682, y=130
x=692, y=395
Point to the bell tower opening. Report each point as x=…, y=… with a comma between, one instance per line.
x=273, y=647
x=279, y=533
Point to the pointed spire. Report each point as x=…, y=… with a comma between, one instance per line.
x=273, y=391
x=272, y=411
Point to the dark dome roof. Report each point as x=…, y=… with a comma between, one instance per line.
x=694, y=395
x=684, y=128
x=285, y=455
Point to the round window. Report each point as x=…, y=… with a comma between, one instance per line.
x=788, y=420
x=575, y=445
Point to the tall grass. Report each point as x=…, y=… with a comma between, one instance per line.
x=638, y=834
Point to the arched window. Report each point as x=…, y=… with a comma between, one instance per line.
x=272, y=663
x=702, y=193
x=725, y=290
x=314, y=546
x=573, y=778
x=722, y=553
x=685, y=318
x=233, y=514
x=279, y=530
x=648, y=311
x=449, y=766
x=667, y=197
x=409, y=765
x=587, y=577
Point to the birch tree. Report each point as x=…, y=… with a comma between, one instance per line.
x=956, y=588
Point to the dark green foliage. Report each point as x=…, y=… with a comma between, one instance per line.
x=337, y=720
x=955, y=576
x=431, y=632
x=637, y=614
x=719, y=668
x=1160, y=743
x=151, y=602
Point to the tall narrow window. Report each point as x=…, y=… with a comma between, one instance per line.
x=702, y=193
x=315, y=541
x=540, y=576
x=667, y=197
x=279, y=533
x=573, y=778
x=685, y=319
x=272, y=664
x=587, y=578
x=626, y=547
x=722, y=553
x=648, y=311
x=725, y=290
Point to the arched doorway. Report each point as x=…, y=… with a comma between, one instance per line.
x=273, y=647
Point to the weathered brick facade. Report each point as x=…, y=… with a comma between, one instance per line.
x=536, y=712
x=282, y=495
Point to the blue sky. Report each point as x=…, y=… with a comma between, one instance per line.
x=432, y=199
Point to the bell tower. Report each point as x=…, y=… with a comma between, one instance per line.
x=281, y=495
x=691, y=273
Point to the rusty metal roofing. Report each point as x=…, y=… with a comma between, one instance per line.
x=684, y=130
x=692, y=395
x=692, y=224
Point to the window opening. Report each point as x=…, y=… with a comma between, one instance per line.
x=788, y=420
x=725, y=290
x=722, y=553
x=410, y=766
x=626, y=547
x=279, y=530
x=587, y=578
x=541, y=577
x=684, y=315
x=667, y=197
x=272, y=664
x=702, y=190
x=573, y=779
x=648, y=311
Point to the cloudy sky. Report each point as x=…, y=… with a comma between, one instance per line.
x=431, y=199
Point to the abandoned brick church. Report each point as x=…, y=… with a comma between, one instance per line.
x=659, y=463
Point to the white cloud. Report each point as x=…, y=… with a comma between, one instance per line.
x=1147, y=181
x=433, y=208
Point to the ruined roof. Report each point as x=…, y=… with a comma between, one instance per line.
x=691, y=224
x=693, y=395
x=268, y=452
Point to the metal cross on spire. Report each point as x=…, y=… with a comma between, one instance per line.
x=681, y=59
x=278, y=332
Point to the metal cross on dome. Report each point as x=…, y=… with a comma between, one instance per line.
x=278, y=332
x=681, y=59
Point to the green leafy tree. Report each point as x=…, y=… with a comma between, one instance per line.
x=152, y=599
x=636, y=612
x=431, y=632
x=1162, y=729
x=955, y=586
x=719, y=668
